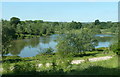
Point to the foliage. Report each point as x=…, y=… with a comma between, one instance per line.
x=106, y=67
x=14, y=21
x=101, y=48
x=97, y=22
x=115, y=48
x=47, y=51
x=16, y=29
x=77, y=43
x=74, y=25
x=8, y=34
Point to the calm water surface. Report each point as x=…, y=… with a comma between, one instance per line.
x=32, y=47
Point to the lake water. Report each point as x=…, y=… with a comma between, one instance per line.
x=32, y=47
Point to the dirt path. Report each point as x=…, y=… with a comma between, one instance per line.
x=91, y=59
x=81, y=61
x=77, y=61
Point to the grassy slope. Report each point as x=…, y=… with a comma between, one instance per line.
x=106, y=67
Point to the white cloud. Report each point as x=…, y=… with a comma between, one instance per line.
x=60, y=0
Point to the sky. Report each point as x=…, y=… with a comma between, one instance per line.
x=59, y=0
x=61, y=11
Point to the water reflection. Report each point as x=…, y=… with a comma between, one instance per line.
x=32, y=47
x=18, y=46
x=103, y=35
x=45, y=40
x=105, y=40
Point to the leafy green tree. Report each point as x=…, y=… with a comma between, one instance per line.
x=74, y=25
x=97, y=22
x=77, y=43
x=114, y=28
x=96, y=31
x=49, y=50
x=55, y=23
x=8, y=34
x=38, y=21
x=115, y=48
x=19, y=29
x=14, y=21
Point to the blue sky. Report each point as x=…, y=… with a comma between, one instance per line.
x=61, y=11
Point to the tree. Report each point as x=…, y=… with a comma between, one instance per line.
x=97, y=22
x=19, y=29
x=38, y=21
x=44, y=30
x=77, y=43
x=48, y=51
x=55, y=23
x=74, y=25
x=115, y=48
x=14, y=21
x=8, y=34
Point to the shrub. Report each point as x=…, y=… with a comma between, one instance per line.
x=115, y=48
x=48, y=51
x=23, y=67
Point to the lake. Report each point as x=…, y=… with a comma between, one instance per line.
x=32, y=47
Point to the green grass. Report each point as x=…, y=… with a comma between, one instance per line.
x=106, y=31
x=48, y=58
x=106, y=67
x=94, y=54
x=29, y=65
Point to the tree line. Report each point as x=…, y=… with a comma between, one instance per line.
x=14, y=28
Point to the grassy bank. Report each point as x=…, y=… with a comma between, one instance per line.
x=106, y=67
x=52, y=64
